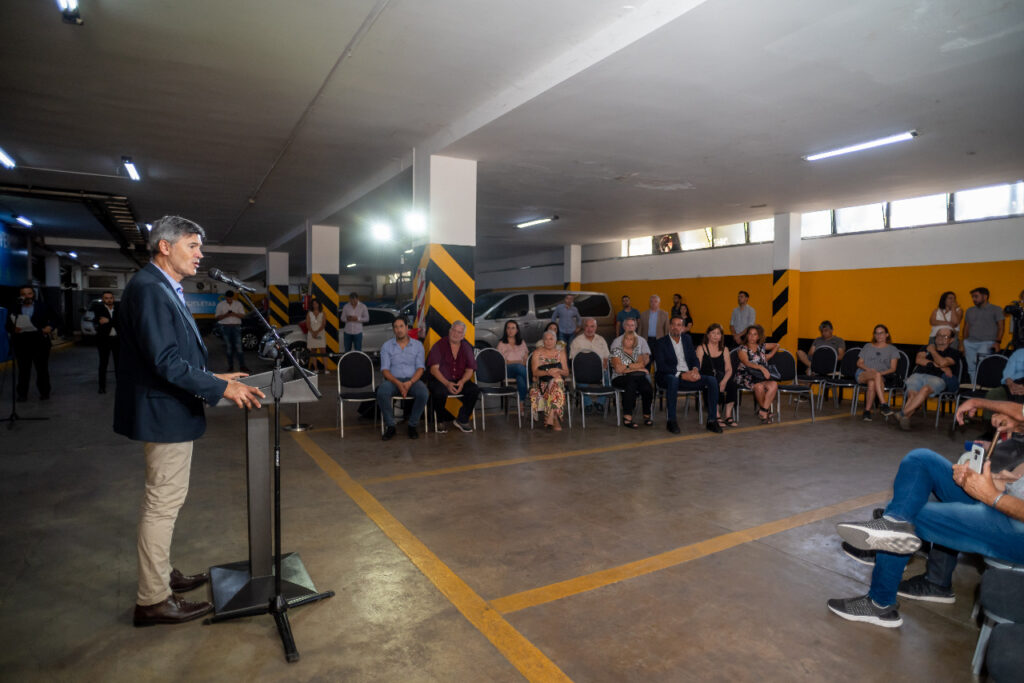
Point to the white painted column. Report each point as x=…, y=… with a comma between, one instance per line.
x=572, y=266
x=785, y=312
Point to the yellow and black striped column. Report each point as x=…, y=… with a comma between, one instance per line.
x=449, y=287
x=785, y=307
x=277, y=298
x=324, y=286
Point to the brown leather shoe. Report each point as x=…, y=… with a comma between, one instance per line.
x=173, y=610
x=183, y=584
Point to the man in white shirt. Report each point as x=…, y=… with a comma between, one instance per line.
x=354, y=314
x=593, y=342
x=743, y=316
x=229, y=315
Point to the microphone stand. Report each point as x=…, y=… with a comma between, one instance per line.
x=278, y=606
x=14, y=417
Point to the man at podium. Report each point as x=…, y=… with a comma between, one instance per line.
x=162, y=383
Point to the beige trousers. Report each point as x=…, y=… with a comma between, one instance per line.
x=167, y=470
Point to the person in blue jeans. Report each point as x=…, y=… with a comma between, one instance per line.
x=401, y=365
x=975, y=512
x=516, y=354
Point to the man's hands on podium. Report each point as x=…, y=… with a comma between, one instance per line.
x=243, y=395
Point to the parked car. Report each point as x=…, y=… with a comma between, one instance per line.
x=375, y=333
x=253, y=330
x=532, y=310
x=88, y=322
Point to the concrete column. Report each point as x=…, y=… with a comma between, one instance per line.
x=323, y=265
x=785, y=314
x=572, y=265
x=277, y=288
x=52, y=271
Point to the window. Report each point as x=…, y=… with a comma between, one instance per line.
x=816, y=224
x=513, y=307
x=641, y=246
x=988, y=202
x=696, y=239
x=729, y=234
x=593, y=305
x=762, y=230
x=544, y=304
x=484, y=302
x=860, y=218
x=905, y=213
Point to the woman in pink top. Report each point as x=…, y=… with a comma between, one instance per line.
x=516, y=354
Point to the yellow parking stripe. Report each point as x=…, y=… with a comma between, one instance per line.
x=648, y=565
x=533, y=664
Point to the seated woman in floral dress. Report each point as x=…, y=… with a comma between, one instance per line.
x=550, y=368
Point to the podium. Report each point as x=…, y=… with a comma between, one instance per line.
x=246, y=587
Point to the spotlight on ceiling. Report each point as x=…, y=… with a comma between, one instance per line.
x=130, y=167
x=539, y=221
x=6, y=160
x=73, y=254
x=415, y=224
x=381, y=232
x=24, y=221
x=95, y=266
x=69, y=12
x=902, y=137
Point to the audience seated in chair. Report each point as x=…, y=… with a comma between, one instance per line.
x=451, y=363
x=1013, y=380
x=517, y=355
x=550, y=368
x=402, y=366
x=590, y=340
x=714, y=361
x=975, y=512
x=876, y=367
x=629, y=373
x=677, y=368
x=826, y=338
x=753, y=373
x=936, y=370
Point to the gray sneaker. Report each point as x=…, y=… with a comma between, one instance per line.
x=880, y=534
x=864, y=609
x=442, y=427
x=863, y=556
x=463, y=426
x=920, y=588
x=904, y=422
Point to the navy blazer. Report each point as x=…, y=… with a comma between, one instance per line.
x=665, y=361
x=42, y=316
x=162, y=379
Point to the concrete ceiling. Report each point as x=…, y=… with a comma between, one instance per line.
x=256, y=118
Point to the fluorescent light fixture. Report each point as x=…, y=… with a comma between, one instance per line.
x=130, y=167
x=351, y=265
x=67, y=5
x=902, y=137
x=24, y=221
x=95, y=266
x=407, y=251
x=381, y=232
x=415, y=224
x=6, y=159
x=73, y=254
x=530, y=224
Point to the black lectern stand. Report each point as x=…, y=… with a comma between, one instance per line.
x=248, y=588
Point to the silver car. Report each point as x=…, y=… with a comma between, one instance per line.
x=375, y=333
x=532, y=310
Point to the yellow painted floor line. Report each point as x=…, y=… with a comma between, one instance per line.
x=624, y=446
x=533, y=664
x=671, y=558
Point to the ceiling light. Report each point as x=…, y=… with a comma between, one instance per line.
x=95, y=266
x=6, y=160
x=130, y=167
x=69, y=12
x=902, y=137
x=539, y=221
x=351, y=265
x=415, y=224
x=73, y=254
x=24, y=221
x=381, y=232
x=149, y=226
x=407, y=251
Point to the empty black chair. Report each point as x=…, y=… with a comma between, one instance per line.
x=355, y=373
x=845, y=379
x=786, y=365
x=492, y=379
x=989, y=376
x=588, y=380
x=823, y=364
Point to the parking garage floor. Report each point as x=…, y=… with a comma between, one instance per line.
x=597, y=555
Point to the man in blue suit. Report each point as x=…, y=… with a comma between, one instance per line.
x=30, y=324
x=676, y=368
x=162, y=383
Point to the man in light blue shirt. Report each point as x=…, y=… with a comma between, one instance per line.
x=401, y=364
x=568, y=319
x=1013, y=380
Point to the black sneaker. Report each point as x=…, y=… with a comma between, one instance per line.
x=864, y=609
x=413, y=432
x=920, y=588
x=863, y=556
x=389, y=432
x=880, y=534
x=867, y=416
x=885, y=409
x=463, y=426
x=672, y=426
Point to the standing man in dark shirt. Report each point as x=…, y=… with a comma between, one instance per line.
x=162, y=386
x=451, y=364
x=107, y=341
x=30, y=324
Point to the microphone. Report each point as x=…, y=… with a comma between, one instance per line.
x=221, y=276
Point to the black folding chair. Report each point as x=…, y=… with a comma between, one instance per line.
x=492, y=380
x=845, y=380
x=588, y=380
x=355, y=373
x=989, y=376
x=947, y=399
x=786, y=365
x=685, y=394
x=823, y=364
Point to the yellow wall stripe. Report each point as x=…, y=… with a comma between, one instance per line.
x=533, y=664
x=463, y=280
x=606, y=577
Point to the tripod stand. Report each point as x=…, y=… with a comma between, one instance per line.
x=14, y=417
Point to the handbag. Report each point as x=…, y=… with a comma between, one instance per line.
x=774, y=371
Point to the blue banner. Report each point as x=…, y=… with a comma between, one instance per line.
x=202, y=305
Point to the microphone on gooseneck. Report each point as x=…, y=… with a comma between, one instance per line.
x=221, y=276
